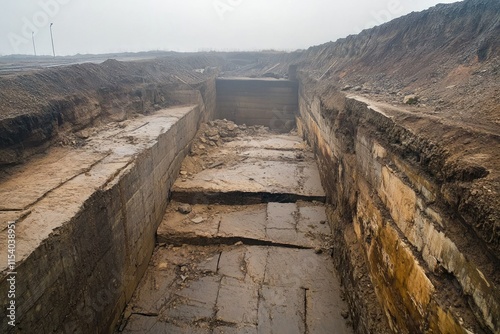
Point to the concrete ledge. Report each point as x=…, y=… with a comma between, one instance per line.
x=294, y=225
x=261, y=172
x=85, y=230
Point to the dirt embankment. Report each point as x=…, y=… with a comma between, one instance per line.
x=38, y=106
x=448, y=57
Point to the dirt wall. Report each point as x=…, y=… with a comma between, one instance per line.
x=398, y=237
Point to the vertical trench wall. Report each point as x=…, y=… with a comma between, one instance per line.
x=268, y=102
x=395, y=251
x=80, y=278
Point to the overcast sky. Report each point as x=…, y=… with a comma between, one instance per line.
x=102, y=26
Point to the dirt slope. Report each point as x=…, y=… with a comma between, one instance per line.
x=448, y=55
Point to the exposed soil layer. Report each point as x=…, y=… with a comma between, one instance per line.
x=39, y=106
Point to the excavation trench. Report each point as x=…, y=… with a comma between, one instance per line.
x=292, y=213
x=241, y=267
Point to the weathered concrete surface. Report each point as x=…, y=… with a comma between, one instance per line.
x=237, y=289
x=86, y=219
x=255, y=268
x=396, y=225
x=269, y=102
x=299, y=224
x=262, y=166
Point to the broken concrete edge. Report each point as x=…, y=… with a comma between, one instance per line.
x=300, y=225
x=239, y=197
x=178, y=239
x=104, y=248
x=344, y=171
x=251, y=161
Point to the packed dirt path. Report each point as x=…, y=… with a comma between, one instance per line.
x=245, y=246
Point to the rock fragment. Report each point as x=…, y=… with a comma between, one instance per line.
x=185, y=209
x=410, y=99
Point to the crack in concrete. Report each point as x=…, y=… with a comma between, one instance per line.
x=137, y=128
x=296, y=218
x=213, y=321
x=115, y=135
x=218, y=226
x=306, y=327
x=229, y=241
x=145, y=314
x=48, y=192
x=25, y=213
x=218, y=263
x=220, y=323
x=116, y=173
x=200, y=196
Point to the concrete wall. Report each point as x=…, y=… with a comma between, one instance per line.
x=397, y=240
x=94, y=246
x=269, y=102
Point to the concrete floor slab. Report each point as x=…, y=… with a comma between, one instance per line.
x=238, y=302
x=240, y=329
x=154, y=292
x=282, y=310
x=299, y=224
x=141, y=324
x=255, y=263
x=255, y=289
x=274, y=177
x=252, y=166
x=308, y=270
x=325, y=311
x=232, y=264
x=248, y=223
x=259, y=267
x=195, y=302
x=282, y=216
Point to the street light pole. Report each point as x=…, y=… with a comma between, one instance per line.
x=33, y=38
x=52, y=38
